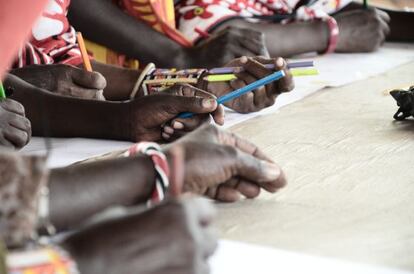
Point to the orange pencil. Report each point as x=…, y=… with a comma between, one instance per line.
x=85, y=57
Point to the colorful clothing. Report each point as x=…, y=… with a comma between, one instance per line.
x=16, y=19
x=41, y=260
x=53, y=39
x=158, y=14
x=195, y=18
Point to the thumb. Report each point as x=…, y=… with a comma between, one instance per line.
x=266, y=174
x=90, y=80
x=193, y=104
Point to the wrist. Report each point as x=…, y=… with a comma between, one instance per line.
x=160, y=166
x=332, y=33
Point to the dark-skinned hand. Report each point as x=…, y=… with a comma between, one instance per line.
x=226, y=45
x=254, y=70
x=64, y=80
x=362, y=30
x=153, y=117
x=224, y=166
x=15, y=128
x=172, y=238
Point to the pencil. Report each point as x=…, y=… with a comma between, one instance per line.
x=229, y=77
x=225, y=70
x=365, y=4
x=239, y=92
x=85, y=57
x=2, y=92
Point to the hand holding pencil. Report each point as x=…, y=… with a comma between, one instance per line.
x=253, y=70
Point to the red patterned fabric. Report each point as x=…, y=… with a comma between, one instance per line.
x=53, y=39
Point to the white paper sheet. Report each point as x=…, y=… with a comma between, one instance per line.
x=335, y=70
x=66, y=151
x=240, y=258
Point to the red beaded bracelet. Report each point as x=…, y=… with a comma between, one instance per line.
x=333, y=34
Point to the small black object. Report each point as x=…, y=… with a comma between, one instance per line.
x=405, y=100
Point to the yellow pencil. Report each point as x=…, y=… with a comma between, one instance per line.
x=85, y=57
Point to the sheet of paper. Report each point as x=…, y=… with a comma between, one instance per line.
x=66, y=151
x=335, y=70
x=241, y=258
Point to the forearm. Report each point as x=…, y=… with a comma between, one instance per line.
x=78, y=192
x=110, y=26
x=120, y=81
x=290, y=39
x=58, y=116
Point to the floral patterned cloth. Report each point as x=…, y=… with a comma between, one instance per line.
x=197, y=17
x=53, y=39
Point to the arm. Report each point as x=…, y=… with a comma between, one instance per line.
x=110, y=26
x=289, y=39
x=142, y=119
x=59, y=116
x=120, y=81
x=97, y=186
x=360, y=30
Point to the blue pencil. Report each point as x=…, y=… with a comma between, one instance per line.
x=239, y=92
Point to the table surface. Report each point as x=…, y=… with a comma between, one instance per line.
x=351, y=177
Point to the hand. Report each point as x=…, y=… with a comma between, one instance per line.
x=362, y=30
x=226, y=45
x=64, y=80
x=153, y=118
x=15, y=128
x=260, y=98
x=141, y=243
x=222, y=165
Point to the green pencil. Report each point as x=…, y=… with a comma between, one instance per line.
x=2, y=92
x=365, y=4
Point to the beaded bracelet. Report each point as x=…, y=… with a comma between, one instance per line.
x=156, y=80
x=160, y=165
x=40, y=260
x=333, y=34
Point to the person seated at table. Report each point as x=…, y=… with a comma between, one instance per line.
x=73, y=194
x=144, y=118
x=310, y=28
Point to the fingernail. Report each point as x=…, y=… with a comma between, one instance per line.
x=272, y=170
x=168, y=130
x=280, y=62
x=165, y=135
x=178, y=125
x=209, y=103
x=243, y=59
